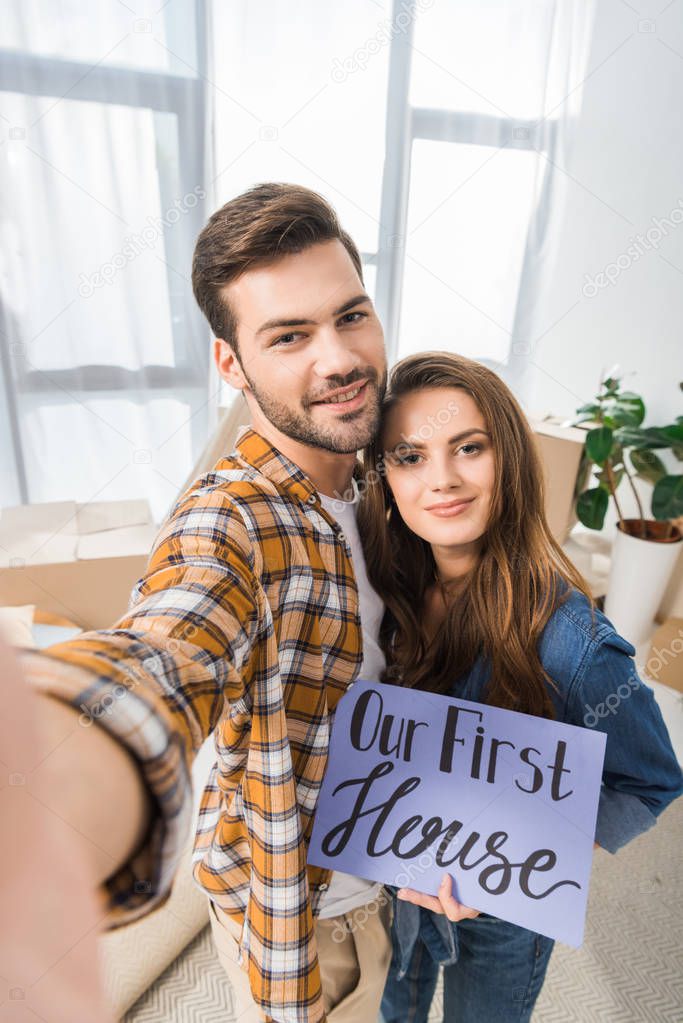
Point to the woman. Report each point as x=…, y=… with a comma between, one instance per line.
x=483, y=604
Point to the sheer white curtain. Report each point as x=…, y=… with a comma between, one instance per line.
x=105, y=359
x=495, y=90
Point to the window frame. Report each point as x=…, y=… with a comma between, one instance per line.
x=404, y=125
x=163, y=93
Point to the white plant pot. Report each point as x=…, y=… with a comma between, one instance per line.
x=639, y=574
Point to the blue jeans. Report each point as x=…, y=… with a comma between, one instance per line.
x=497, y=977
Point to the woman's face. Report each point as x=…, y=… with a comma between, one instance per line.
x=440, y=465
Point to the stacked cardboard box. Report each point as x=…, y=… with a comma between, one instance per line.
x=79, y=561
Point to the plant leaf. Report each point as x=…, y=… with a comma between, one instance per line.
x=617, y=456
x=673, y=433
x=648, y=437
x=667, y=498
x=603, y=477
x=590, y=408
x=629, y=409
x=591, y=507
x=599, y=444
x=647, y=464
x=583, y=475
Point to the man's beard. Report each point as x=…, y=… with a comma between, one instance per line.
x=347, y=437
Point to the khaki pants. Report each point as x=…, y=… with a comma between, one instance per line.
x=354, y=952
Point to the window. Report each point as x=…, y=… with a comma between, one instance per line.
x=467, y=85
x=104, y=176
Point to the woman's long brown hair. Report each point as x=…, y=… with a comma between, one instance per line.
x=522, y=574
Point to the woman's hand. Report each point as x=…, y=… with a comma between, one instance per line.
x=444, y=902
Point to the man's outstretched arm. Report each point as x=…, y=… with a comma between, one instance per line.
x=49, y=912
x=140, y=698
x=93, y=783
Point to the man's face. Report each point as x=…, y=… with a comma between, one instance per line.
x=307, y=329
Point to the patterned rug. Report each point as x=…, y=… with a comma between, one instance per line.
x=629, y=969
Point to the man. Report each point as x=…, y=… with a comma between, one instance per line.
x=247, y=625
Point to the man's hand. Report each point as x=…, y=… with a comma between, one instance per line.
x=444, y=902
x=49, y=910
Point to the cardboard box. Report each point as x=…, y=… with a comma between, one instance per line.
x=79, y=561
x=560, y=448
x=665, y=660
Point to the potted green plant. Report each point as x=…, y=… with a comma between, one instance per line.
x=618, y=450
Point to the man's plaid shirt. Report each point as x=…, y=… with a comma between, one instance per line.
x=245, y=624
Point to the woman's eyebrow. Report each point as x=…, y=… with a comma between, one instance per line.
x=451, y=440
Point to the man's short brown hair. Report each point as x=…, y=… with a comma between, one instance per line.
x=258, y=227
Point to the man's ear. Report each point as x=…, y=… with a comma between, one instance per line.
x=228, y=364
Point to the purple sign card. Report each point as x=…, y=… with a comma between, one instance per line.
x=419, y=785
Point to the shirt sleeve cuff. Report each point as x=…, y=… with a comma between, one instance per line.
x=621, y=818
x=143, y=883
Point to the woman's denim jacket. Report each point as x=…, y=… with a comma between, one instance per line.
x=598, y=687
